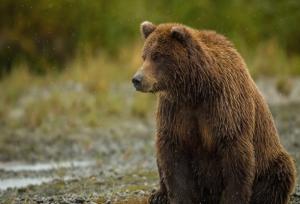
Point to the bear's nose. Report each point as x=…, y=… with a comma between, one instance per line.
x=137, y=81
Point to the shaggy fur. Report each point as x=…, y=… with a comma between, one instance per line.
x=216, y=139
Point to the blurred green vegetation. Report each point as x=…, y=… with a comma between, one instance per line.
x=46, y=34
x=89, y=49
x=92, y=91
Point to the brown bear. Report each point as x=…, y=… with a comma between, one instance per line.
x=216, y=139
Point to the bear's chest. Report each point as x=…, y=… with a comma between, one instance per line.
x=190, y=128
x=185, y=125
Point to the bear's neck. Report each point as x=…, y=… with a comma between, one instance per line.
x=190, y=96
x=180, y=100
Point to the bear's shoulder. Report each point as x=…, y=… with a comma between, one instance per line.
x=210, y=37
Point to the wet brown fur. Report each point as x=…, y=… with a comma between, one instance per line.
x=216, y=139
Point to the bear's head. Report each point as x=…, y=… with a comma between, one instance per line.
x=170, y=59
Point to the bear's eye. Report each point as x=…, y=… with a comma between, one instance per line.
x=156, y=57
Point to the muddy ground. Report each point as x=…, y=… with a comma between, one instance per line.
x=113, y=163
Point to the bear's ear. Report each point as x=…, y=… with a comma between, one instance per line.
x=179, y=33
x=147, y=28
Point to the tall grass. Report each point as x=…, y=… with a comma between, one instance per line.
x=270, y=59
x=90, y=90
x=95, y=87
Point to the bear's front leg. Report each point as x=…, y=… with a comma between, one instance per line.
x=159, y=196
x=177, y=174
x=238, y=171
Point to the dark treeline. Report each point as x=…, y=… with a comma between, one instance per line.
x=46, y=33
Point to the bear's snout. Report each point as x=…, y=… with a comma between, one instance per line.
x=144, y=79
x=137, y=81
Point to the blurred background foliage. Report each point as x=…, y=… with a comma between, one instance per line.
x=71, y=61
x=46, y=34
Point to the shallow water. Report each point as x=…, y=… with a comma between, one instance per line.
x=19, y=182
x=22, y=182
x=17, y=167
